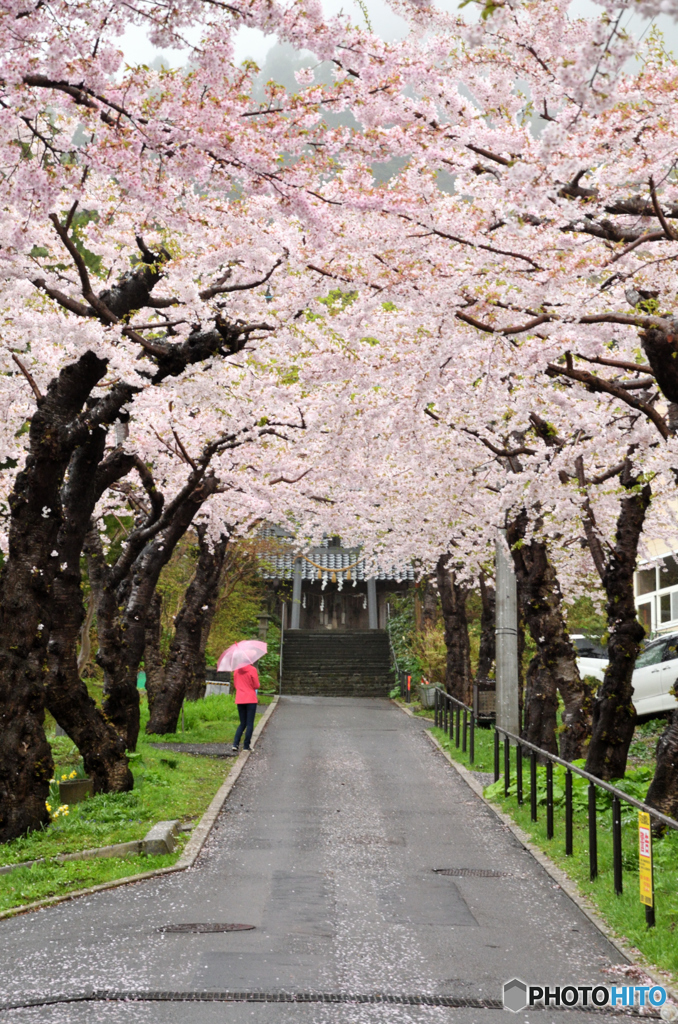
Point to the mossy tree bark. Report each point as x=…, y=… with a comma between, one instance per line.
x=614, y=716
x=188, y=632
x=555, y=666
x=453, y=597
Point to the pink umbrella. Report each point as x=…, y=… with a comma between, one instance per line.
x=245, y=652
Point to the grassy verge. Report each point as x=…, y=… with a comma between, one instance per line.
x=167, y=785
x=212, y=720
x=28, y=885
x=624, y=914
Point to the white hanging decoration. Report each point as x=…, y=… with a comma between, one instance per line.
x=303, y=601
x=322, y=604
x=365, y=601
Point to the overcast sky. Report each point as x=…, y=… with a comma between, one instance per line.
x=252, y=44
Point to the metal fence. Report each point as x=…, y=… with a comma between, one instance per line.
x=459, y=722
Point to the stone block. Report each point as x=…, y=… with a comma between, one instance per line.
x=161, y=838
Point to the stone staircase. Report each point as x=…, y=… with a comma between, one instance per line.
x=334, y=663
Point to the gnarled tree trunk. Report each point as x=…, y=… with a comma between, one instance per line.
x=540, y=707
x=102, y=750
x=453, y=597
x=26, y=595
x=556, y=670
x=614, y=716
x=122, y=606
x=188, y=629
x=663, y=791
x=487, y=652
x=429, y=605
x=153, y=663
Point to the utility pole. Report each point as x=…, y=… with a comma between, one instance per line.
x=508, y=708
x=296, y=594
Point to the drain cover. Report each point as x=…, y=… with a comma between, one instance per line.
x=471, y=872
x=205, y=929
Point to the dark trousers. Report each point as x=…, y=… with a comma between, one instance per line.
x=247, y=713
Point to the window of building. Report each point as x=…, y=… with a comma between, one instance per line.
x=645, y=616
x=665, y=608
x=646, y=581
x=668, y=573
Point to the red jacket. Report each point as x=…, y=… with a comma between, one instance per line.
x=246, y=682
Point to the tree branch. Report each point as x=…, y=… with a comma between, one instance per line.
x=29, y=377
x=599, y=384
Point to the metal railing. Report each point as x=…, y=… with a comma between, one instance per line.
x=594, y=783
x=447, y=715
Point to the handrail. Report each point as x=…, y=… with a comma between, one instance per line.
x=454, y=700
x=619, y=793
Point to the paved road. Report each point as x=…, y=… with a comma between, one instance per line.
x=328, y=846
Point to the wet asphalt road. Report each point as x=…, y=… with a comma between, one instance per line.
x=327, y=845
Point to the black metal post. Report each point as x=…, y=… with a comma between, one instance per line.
x=593, y=835
x=450, y=719
x=533, y=785
x=568, y=813
x=617, y=845
x=549, y=799
x=496, y=756
x=464, y=728
x=507, y=765
x=456, y=728
x=649, y=917
x=519, y=773
x=436, y=701
x=472, y=740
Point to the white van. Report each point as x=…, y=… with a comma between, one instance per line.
x=656, y=672
x=591, y=656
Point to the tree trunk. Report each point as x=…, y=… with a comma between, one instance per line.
x=123, y=605
x=540, y=706
x=488, y=638
x=26, y=591
x=663, y=791
x=85, y=653
x=197, y=683
x=453, y=603
x=541, y=604
x=614, y=716
x=153, y=663
x=188, y=635
x=66, y=694
x=429, y=605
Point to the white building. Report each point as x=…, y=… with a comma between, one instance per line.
x=657, y=596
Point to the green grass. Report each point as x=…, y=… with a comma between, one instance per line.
x=28, y=885
x=167, y=785
x=624, y=914
x=212, y=720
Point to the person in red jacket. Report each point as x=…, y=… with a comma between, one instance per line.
x=246, y=682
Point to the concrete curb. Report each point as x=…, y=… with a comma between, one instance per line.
x=569, y=887
x=192, y=849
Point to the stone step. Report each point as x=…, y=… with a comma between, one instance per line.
x=347, y=663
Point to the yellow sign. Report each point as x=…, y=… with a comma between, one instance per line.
x=645, y=859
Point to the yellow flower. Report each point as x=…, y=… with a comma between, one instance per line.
x=66, y=812
x=72, y=775
x=64, y=777
x=48, y=806
x=55, y=816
